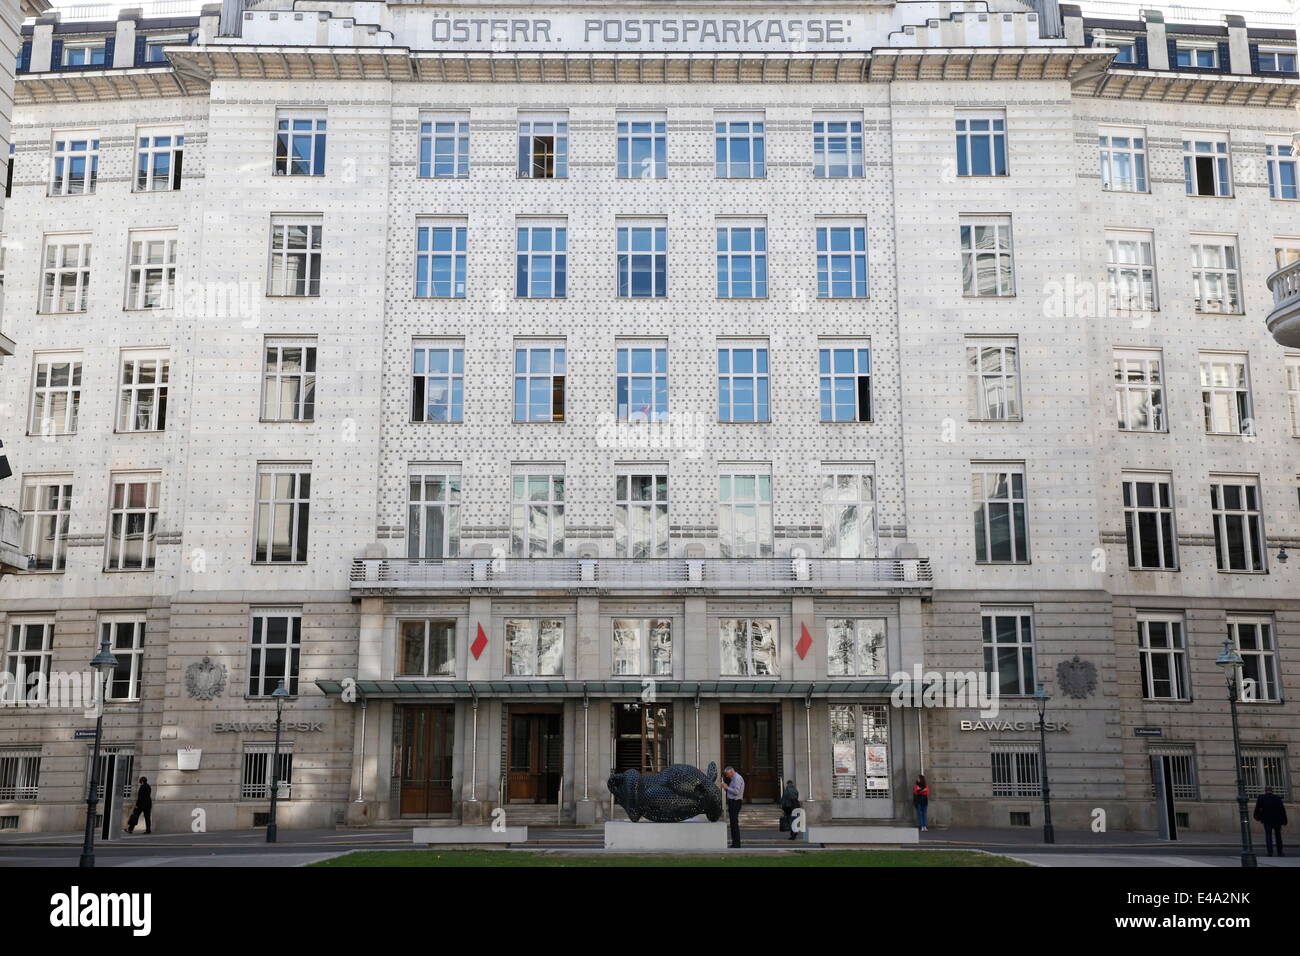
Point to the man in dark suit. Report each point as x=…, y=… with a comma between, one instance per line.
x=143, y=807
x=1270, y=811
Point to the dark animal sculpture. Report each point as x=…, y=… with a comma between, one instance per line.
x=675, y=794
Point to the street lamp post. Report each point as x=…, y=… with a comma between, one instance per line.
x=1231, y=663
x=1040, y=698
x=279, y=695
x=102, y=664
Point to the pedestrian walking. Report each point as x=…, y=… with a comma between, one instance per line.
x=143, y=807
x=1270, y=811
x=789, y=804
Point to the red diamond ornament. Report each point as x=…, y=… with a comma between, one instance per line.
x=805, y=642
x=480, y=642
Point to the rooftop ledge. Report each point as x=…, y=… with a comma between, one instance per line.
x=381, y=576
x=1284, y=320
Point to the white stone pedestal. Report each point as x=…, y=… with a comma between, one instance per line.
x=644, y=835
x=465, y=835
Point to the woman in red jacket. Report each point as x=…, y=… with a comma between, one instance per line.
x=921, y=799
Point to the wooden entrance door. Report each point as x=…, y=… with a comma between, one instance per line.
x=535, y=757
x=426, y=760
x=749, y=743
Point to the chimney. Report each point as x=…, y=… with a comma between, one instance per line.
x=1238, y=47
x=1072, y=20
x=1157, y=44
x=124, y=44
x=43, y=42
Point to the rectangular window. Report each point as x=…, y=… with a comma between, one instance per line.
x=536, y=513
x=440, y=260
x=91, y=53
x=837, y=147
x=534, y=647
x=860, y=738
x=158, y=159
x=856, y=647
x=993, y=379
x=1238, y=523
x=300, y=143
x=641, y=383
x=74, y=164
x=1280, y=60
x=743, y=384
x=1253, y=638
x=641, y=512
x=1282, y=180
x=1207, y=167
x=283, y=510
x=256, y=777
x=1001, y=519
x=642, y=261
x=1293, y=392
x=125, y=636
x=844, y=382
x=1015, y=770
x=123, y=759
x=1008, y=634
x=151, y=270
x=986, y=256
x=1225, y=394
x=20, y=775
x=842, y=261
x=1216, y=275
x=56, y=394
x=438, y=382
x=642, y=145
x=1125, y=50
x=1149, y=522
x=1285, y=251
x=142, y=392
x=1196, y=56
x=1180, y=770
x=1265, y=767
x=1123, y=155
x=745, y=513
x=1139, y=390
x=981, y=142
x=433, y=512
x=65, y=276
x=643, y=647
x=742, y=260
x=543, y=146
x=848, y=511
x=47, y=509
x=444, y=146
x=133, y=522
x=1162, y=653
x=289, y=380
x=539, y=382
x=1131, y=271
x=541, y=260
x=27, y=661
x=738, y=143
x=155, y=46
x=295, y=256
x=428, y=649
x=275, y=646
x=749, y=647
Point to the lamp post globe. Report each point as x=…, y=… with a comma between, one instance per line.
x=1231, y=662
x=102, y=665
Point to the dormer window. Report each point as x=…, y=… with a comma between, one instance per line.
x=89, y=53
x=1277, y=59
x=154, y=46
x=1197, y=56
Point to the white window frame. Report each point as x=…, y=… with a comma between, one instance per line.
x=632, y=261
x=1275, y=52
x=838, y=146
x=151, y=269
x=758, y=380
x=38, y=517
x=831, y=261
x=270, y=508
x=1195, y=50
x=525, y=541
x=849, y=489
x=985, y=476
x=641, y=524
x=555, y=283
x=433, y=488
x=450, y=129
x=1219, y=272
x=637, y=648
x=976, y=260
x=456, y=257
x=630, y=381
x=735, y=127
x=66, y=148
x=1280, y=155
x=1127, y=145
x=288, y=130
x=1250, y=517
x=1131, y=270
x=831, y=374
x=1293, y=392
x=527, y=371
x=741, y=660
x=1162, y=508
x=261, y=682
x=295, y=240
x=995, y=147
x=117, y=548
x=1026, y=640
x=1216, y=146
x=726, y=232
x=1174, y=649
x=634, y=128
x=142, y=405
x=523, y=650
x=755, y=506
x=130, y=655
x=148, y=149
x=1260, y=660
x=88, y=46
x=532, y=127
x=1226, y=403
x=1147, y=391
x=43, y=393
x=56, y=272
x=451, y=383
x=292, y=388
x=993, y=369
x=19, y=658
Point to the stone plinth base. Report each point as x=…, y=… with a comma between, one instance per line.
x=458, y=835
x=644, y=835
x=860, y=835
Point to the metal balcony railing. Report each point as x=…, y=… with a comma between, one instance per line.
x=469, y=574
x=1284, y=320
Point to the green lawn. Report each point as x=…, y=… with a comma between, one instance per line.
x=788, y=858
